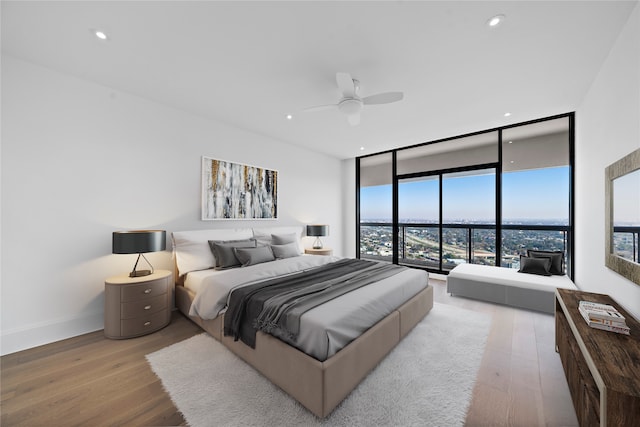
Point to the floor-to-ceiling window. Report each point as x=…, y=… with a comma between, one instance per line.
x=536, y=177
x=376, y=207
x=483, y=198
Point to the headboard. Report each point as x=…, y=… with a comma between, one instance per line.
x=191, y=251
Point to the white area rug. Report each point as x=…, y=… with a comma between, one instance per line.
x=427, y=380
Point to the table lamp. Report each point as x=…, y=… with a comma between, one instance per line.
x=317, y=231
x=139, y=242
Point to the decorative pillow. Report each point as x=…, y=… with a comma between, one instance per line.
x=251, y=256
x=556, y=257
x=192, y=251
x=532, y=265
x=224, y=254
x=285, y=251
x=283, y=239
x=264, y=236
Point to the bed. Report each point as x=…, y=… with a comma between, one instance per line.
x=507, y=286
x=339, y=341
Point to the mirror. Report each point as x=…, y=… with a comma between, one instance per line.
x=622, y=216
x=626, y=215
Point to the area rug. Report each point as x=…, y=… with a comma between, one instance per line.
x=427, y=380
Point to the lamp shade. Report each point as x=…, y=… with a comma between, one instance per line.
x=139, y=241
x=317, y=230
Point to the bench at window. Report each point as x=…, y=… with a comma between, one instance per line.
x=507, y=286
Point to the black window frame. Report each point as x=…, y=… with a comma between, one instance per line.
x=569, y=230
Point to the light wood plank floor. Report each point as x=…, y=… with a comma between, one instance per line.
x=92, y=381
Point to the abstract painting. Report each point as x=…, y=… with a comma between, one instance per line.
x=236, y=191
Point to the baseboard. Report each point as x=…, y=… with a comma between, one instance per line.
x=34, y=335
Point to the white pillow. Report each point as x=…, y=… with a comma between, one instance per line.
x=192, y=249
x=263, y=235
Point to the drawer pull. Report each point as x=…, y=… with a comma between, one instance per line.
x=147, y=323
x=147, y=291
x=147, y=307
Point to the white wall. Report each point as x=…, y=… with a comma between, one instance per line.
x=80, y=161
x=607, y=128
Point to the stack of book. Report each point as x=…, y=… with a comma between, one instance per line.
x=603, y=316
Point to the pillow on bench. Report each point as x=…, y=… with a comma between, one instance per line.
x=556, y=257
x=533, y=265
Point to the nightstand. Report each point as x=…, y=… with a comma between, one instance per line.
x=323, y=251
x=135, y=306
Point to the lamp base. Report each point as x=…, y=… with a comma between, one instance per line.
x=317, y=244
x=140, y=273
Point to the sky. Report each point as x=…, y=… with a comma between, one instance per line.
x=540, y=194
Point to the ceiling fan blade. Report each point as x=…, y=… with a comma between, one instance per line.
x=345, y=84
x=383, y=98
x=354, y=119
x=320, y=108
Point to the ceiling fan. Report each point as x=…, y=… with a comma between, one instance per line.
x=351, y=103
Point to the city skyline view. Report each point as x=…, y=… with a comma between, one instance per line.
x=468, y=234
x=526, y=198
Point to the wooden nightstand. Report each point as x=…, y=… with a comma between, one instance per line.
x=135, y=306
x=323, y=251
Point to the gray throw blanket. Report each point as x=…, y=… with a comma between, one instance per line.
x=275, y=305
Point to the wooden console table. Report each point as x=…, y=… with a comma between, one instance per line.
x=602, y=367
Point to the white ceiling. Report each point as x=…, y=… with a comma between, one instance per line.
x=250, y=64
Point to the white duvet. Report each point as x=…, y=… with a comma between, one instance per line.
x=325, y=329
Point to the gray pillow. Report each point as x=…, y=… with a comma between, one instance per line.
x=532, y=265
x=251, y=256
x=224, y=254
x=283, y=239
x=556, y=257
x=285, y=251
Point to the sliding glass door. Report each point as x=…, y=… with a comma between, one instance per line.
x=447, y=219
x=469, y=217
x=419, y=221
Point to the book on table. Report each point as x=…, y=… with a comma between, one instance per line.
x=603, y=316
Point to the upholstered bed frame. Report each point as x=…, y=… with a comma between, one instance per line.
x=318, y=386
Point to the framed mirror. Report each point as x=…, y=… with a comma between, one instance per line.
x=622, y=216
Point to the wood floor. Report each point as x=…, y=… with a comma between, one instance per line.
x=92, y=381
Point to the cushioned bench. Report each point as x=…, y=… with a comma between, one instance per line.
x=506, y=286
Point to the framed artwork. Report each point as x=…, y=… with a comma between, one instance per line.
x=236, y=191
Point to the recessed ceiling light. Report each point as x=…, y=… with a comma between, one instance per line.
x=507, y=114
x=510, y=142
x=495, y=21
x=512, y=162
x=100, y=34
x=289, y=117
x=361, y=148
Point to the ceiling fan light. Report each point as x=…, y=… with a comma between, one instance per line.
x=350, y=106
